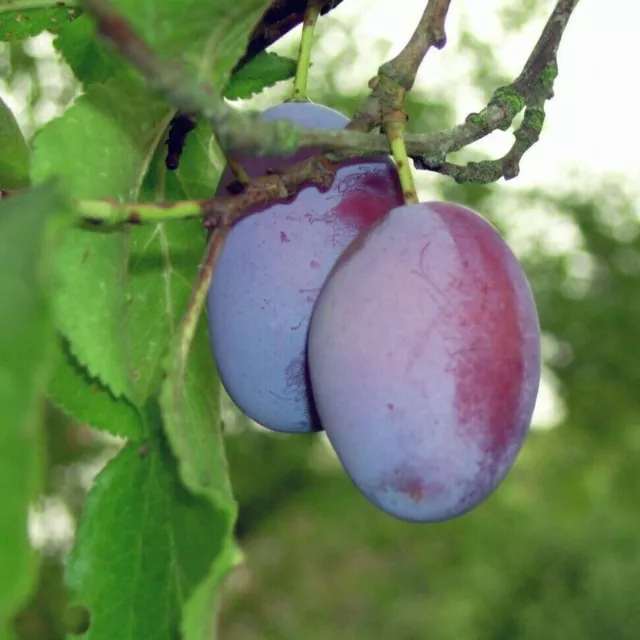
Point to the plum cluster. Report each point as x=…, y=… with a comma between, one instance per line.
x=409, y=333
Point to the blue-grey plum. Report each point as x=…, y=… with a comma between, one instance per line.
x=424, y=359
x=272, y=267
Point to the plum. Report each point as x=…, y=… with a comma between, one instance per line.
x=272, y=267
x=424, y=359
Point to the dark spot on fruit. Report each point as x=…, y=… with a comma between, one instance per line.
x=312, y=294
x=390, y=406
x=411, y=484
x=284, y=237
x=295, y=376
x=314, y=264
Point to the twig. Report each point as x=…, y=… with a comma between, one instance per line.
x=281, y=17
x=507, y=167
x=237, y=132
x=217, y=211
x=429, y=33
x=394, y=128
x=304, y=52
x=110, y=212
x=278, y=20
x=397, y=76
x=531, y=89
x=245, y=133
x=178, y=359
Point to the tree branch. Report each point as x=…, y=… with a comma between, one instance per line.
x=429, y=33
x=218, y=211
x=280, y=18
x=246, y=133
x=531, y=89
x=397, y=76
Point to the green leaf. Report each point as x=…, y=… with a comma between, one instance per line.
x=143, y=546
x=91, y=59
x=88, y=401
x=164, y=260
x=163, y=264
x=207, y=37
x=14, y=152
x=18, y=23
x=263, y=71
x=26, y=339
x=199, y=171
x=190, y=402
x=100, y=147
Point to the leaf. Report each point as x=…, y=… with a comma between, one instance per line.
x=199, y=171
x=26, y=338
x=164, y=260
x=163, y=263
x=263, y=71
x=91, y=59
x=100, y=147
x=142, y=547
x=190, y=403
x=207, y=37
x=191, y=412
x=88, y=401
x=18, y=23
x=14, y=152
x=200, y=612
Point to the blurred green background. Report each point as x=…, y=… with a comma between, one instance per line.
x=555, y=552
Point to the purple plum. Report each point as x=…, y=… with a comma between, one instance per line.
x=272, y=267
x=424, y=358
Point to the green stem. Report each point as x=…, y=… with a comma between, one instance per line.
x=178, y=362
x=238, y=171
x=199, y=294
x=115, y=213
x=395, y=134
x=304, y=55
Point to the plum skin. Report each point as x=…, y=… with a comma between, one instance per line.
x=424, y=359
x=272, y=267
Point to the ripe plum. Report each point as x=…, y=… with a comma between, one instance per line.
x=272, y=267
x=424, y=359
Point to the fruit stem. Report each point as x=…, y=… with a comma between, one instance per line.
x=196, y=303
x=394, y=126
x=110, y=212
x=304, y=55
x=238, y=171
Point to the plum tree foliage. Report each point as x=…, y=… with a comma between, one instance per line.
x=115, y=228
